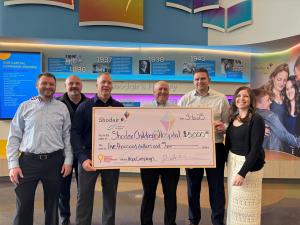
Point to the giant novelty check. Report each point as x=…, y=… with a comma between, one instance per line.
x=152, y=137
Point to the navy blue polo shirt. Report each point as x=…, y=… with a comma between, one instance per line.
x=81, y=132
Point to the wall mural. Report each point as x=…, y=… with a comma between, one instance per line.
x=69, y=4
x=276, y=78
x=193, y=5
x=130, y=13
x=126, y=13
x=216, y=17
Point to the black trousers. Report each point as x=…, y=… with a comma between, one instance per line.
x=86, y=190
x=35, y=169
x=215, y=179
x=169, y=180
x=64, y=195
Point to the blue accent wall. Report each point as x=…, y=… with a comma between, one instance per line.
x=161, y=25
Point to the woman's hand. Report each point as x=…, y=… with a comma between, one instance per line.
x=238, y=180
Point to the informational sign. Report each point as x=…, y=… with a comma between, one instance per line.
x=58, y=65
x=18, y=74
x=121, y=65
x=232, y=68
x=210, y=65
x=152, y=137
x=163, y=68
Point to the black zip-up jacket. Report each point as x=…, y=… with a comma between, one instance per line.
x=65, y=99
x=81, y=132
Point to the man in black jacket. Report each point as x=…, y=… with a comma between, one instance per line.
x=72, y=98
x=81, y=140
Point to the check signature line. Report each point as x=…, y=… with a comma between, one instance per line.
x=196, y=146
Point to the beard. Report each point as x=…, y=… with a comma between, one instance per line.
x=48, y=93
x=74, y=91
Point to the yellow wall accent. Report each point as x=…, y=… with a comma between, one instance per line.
x=3, y=149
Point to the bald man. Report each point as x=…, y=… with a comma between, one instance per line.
x=169, y=176
x=81, y=140
x=72, y=98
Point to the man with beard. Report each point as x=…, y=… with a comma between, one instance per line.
x=38, y=149
x=72, y=98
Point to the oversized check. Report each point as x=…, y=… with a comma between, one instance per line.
x=152, y=137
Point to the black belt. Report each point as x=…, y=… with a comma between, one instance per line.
x=42, y=156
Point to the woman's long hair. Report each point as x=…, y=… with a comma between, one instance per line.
x=270, y=85
x=234, y=109
x=297, y=97
x=297, y=64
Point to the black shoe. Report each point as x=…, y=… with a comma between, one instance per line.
x=65, y=222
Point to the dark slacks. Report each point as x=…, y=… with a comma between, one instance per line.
x=47, y=170
x=64, y=195
x=86, y=190
x=169, y=180
x=215, y=179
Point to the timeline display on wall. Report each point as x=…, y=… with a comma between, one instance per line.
x=137, y=100
x=148, y=62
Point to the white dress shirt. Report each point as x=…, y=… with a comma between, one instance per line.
x=215, y=100
x=39, y=127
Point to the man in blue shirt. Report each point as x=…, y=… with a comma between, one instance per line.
x=38, y=149
x=81, y=139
